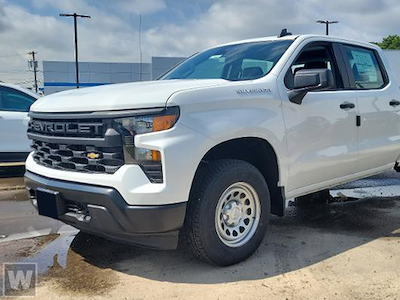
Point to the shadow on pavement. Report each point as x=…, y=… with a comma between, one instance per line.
x=305, y=236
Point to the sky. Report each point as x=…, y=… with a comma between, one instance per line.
x=170, y=27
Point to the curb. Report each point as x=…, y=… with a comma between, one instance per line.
x=12, y=188
x=14, y=195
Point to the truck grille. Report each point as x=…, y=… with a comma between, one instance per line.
x=88, y=145
x=77, y=157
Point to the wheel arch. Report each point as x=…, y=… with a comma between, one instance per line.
x=256, y=151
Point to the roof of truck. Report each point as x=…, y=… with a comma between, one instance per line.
x=302, y=37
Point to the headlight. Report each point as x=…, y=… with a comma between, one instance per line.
x=146, y=124
x=131, y=126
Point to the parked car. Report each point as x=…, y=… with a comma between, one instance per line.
x=15, y=102
x=220, y=142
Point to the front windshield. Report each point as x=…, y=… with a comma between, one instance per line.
x=245, y=61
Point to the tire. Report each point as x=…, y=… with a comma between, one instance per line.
x=229, y=187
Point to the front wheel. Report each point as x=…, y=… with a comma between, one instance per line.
x=228, y=212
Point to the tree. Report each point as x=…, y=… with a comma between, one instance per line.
x=391, y=42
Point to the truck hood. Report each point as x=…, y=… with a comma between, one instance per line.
x=119, y=96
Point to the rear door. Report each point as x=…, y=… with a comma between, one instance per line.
x=321, y=131
x=378, y=106
x=14, y=107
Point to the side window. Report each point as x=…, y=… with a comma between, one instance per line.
x=365, y=67
x=315, y=56
x=13, y=100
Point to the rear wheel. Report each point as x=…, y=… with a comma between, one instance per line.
x=228, y=212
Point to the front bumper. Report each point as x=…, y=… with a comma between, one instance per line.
x=102, y=211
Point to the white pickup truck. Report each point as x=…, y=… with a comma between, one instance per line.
x=206, y=153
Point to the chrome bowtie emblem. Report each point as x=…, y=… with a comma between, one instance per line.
x=92, y=155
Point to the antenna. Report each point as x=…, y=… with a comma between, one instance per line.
x=284, y=32
x=140, y=47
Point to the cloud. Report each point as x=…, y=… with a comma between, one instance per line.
x=104, y=6
x=3, y=23
x=141, y=7
x=174, y=27
x=228, y=20
x=105, y=37
x=355, y=7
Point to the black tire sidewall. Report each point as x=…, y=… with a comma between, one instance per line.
x=218, y=252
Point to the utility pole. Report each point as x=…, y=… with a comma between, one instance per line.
x=327, y=23
x=75, y=15
x=33, y=64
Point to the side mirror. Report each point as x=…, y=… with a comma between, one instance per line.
x=308, y=80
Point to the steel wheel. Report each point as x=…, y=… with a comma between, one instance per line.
x=238, y=214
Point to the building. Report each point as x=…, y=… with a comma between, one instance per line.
x=60, y=75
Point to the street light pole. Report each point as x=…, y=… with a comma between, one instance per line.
x=327, y=23
x=75, y=15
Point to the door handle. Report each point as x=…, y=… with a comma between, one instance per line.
x=394, y=103
x=347, y=105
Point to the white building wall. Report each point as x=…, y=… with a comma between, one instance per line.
x=160, y=65
x=60, y=76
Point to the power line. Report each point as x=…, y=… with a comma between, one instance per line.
x=11, y=55
x=14, y=71
x=24, y=82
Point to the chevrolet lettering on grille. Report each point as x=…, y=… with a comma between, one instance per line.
x=61, y=127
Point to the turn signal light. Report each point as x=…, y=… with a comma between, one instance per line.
x=164, y=122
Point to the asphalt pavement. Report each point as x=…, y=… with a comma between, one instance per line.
x=19, y=219
x=342, y=249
